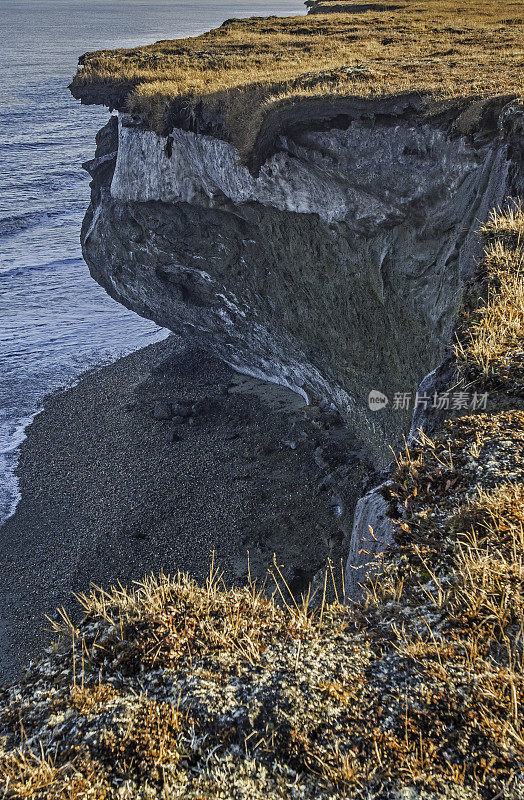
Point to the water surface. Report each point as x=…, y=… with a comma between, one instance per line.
x=55, y=321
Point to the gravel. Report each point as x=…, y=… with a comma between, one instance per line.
x=113, y=489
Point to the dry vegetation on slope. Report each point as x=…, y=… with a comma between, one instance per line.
x=244, y=68
x=493, y=347
x=175, y=690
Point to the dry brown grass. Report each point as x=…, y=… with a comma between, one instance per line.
x=86, y=699
x=214, y=689
x=500, y=508
x=462, y=557
x=151, y=743
x=243, y=69
x=200, y=622
x=492, y=347
x=506, y=225
x=26, y=774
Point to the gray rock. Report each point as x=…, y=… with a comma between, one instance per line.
x=181, y=410
x=205, y=406
x=162, y=410
x=295, y=581
x=372, y=533
x=427, y=416
x=406, y=793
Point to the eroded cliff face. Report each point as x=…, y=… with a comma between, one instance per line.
x=334, y=269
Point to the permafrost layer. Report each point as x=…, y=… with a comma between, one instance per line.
x=339, y=174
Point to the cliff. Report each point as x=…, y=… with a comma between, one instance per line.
x=347, y=245
x=329, y=254
x=336, y=271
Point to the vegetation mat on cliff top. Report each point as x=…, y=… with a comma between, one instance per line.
x=240, y=71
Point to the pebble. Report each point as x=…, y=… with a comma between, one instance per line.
x=181, y=410
x=162, y=410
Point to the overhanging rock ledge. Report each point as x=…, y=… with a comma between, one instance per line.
x=335, y=269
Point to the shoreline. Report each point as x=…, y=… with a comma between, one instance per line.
x=110, y=493
x=10, y=449
x=9, y=456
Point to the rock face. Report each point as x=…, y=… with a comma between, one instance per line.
x=335, y=266
x=335, y=271
x=372, y=533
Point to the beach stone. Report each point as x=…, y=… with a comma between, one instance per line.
x=204, y=406
x=181, y=410
x=162, y=410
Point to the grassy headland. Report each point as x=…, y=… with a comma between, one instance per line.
x=240, y=71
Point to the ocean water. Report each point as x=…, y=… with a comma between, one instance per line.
x=55, y=321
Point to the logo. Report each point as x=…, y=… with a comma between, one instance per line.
x=377, y=400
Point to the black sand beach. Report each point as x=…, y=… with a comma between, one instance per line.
x=110, y=492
